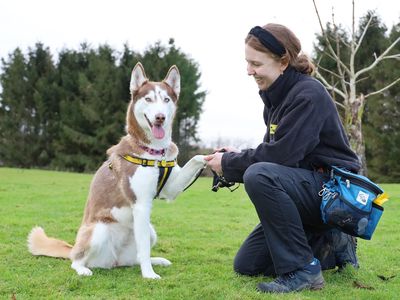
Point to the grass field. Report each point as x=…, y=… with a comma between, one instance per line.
x=200, y=233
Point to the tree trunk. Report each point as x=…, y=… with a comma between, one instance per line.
x=353, y=122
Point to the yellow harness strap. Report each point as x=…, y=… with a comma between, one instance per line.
x=165, y=168
x=149, y=162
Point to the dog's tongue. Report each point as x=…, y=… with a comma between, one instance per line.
x=158, y=132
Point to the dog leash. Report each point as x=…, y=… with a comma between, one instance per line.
x=194, y=180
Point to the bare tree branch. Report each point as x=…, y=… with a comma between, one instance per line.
x=340, y=104
x=349, y=77
x=378, y=59
x=329, y=86
x=361, y=79
x=329, y=71
x=395, y=56
x=353, y=31
x=330, y=56
x=328, y=42
x=358, y=44
x=382, y=89
x=344, y=42
x=338, y=65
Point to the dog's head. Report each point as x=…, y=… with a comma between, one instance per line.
x=153, y=105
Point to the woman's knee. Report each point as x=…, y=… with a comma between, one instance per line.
x=242, y=267
x=260, y=176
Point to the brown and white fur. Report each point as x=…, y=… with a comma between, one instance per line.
x=116, y=228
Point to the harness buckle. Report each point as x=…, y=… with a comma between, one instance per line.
x=144, y=162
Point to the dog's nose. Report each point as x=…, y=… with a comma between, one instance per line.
x=160, y=118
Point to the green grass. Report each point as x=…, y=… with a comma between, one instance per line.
x=200, y=233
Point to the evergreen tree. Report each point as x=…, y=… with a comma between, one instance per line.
x=68, y=146
x=382, y=126
x=29, y=106
x=45, y=104
x=14, y=115
x=91, y=109
x=66, y=115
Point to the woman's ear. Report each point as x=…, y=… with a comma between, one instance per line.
x=284, y=63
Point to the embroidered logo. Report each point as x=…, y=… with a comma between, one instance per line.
x=272, y=128
x=362, y=197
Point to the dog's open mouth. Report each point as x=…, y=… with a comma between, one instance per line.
x=156, y=129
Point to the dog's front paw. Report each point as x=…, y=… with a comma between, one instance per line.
x=199, y=159
x=160, y=261
x=84, y=272
x=151, y=275
x=80, y=269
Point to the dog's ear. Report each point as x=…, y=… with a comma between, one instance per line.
x=173, y=79
x=138, y=78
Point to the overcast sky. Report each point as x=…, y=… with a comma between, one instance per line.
x=211, y=32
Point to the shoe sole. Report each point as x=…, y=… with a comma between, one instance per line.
x=318, y=285
x=313, y=287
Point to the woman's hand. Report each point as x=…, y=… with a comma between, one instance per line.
x=227, y=149
x=214, y=162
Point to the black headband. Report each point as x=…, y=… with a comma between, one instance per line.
x=268, y=40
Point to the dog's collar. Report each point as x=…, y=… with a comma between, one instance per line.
x=152, y=151
x=149, y=162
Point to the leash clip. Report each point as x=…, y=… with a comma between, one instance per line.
x=163, y=162
x=220, y=182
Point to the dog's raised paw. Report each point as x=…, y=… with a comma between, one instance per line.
x=160, y=261
x=199, y=159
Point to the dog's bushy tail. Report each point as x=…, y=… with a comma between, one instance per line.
x=40, y=244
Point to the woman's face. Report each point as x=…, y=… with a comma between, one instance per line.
x=262, y=67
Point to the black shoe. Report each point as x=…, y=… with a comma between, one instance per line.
x=294, y=281
x=345, y=248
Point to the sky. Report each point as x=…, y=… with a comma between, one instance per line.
x=211, y=32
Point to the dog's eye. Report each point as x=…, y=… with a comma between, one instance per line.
x=147, y=99
x=166, y=99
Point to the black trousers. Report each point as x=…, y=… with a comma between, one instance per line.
x=288, y=205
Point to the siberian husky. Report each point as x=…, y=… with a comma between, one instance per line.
x=116, y=228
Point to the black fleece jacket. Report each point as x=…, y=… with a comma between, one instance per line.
x=303, y=129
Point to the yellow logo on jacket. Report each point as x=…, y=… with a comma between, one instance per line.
x=272, y=128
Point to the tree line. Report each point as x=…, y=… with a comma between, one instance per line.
x=65, y=114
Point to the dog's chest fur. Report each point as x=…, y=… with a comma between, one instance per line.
x=144, y=182
x=119, y=183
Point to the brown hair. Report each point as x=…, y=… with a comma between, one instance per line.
x=293, y=56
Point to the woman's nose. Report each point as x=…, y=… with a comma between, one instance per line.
x=250, y=70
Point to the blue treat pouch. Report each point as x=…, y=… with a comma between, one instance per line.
x=352, y=203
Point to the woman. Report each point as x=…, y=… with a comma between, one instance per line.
x=283, y=175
